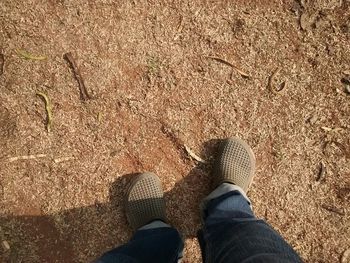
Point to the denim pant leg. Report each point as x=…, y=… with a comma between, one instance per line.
x=232, y=233
x=155, y=242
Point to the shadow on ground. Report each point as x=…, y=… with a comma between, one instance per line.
x=82, y=234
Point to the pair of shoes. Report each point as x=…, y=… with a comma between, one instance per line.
x=234, y=164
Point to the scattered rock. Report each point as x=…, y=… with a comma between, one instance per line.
x=113, y=153
x=308, y=20
x=296, y=7
x=344, y=29
x=346, y=256
x=330, y=4
x=304, y=21
x=238, y=26
x=312, y=120
x=5, y=245
x=347, y=89
x=343, y=193
x=346, y=81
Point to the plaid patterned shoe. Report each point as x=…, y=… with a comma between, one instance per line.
x=235, y=164
x=144, y=201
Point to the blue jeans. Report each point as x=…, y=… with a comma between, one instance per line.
x=231, y=233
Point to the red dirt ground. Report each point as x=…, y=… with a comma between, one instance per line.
x=154, y=89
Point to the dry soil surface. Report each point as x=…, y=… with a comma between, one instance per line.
x=148, y=67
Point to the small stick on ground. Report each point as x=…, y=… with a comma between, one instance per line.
x=26, y=157
x=193, y=155
x=241, y=72
x=84, y=95
x=99, y=117
x=333, y=209
x=328, y=129
x=179, y=28
x=1, y=190
x=48, y=108
x=63, y=159
x=321, y=173
x=2, y=63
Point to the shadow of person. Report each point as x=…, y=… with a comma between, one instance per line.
x=74, y=235
x=183, y=201
x=82, y=234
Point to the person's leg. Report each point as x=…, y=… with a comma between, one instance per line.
x=231, y=232
x=154, y=240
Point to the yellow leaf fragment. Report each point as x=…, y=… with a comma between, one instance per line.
x=48, y=108
x=26, y=55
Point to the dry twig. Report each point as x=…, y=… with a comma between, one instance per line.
x=84, y=95
x=48, y=108
x=99, y=117
x=179, y=28
x=241, y=72
x=333, y=209
x=26, y=157
x=193, y=155
x=321, y=173
x=2, y=192
x=328, y=129
x=2, y=63
x=63, y=159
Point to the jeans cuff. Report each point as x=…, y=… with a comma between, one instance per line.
x=223, y=189
x=160, y=224
x=154, y=224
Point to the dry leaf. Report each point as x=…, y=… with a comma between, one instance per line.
x=27, y=55
x=48, y=108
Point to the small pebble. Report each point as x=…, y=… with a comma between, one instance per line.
x=347, y=89
x=313, y=120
